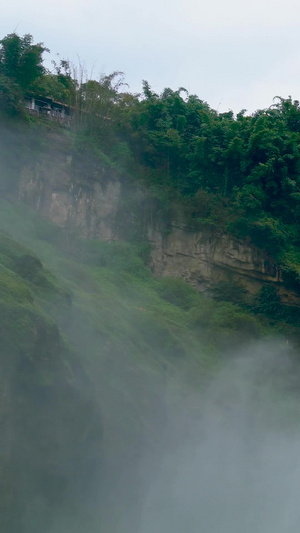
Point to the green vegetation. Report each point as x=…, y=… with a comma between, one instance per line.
x=20, y=67
x=40, y=389
x=101, y=324
x=127, y=305
x=237, y=173
x=92, y=316
x=79, y=316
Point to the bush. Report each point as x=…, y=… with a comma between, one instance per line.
x=230, y=317
x=270, y=234
x=178, y=292
x=118, y=256
x=290, y=269
x=229, y=291
x=268, y=302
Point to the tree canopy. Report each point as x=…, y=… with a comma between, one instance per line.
x=21, y=64
x=240, y=173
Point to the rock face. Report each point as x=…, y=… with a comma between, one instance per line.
x=82, y=195
x=203, y=257
x=85, y=196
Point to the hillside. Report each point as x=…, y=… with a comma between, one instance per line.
x=43, y=384
x=139, y=346
x=144, y=244
x=233, y=174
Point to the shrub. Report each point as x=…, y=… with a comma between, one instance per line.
x=118, y=256
x=230, y=317
x=178, y=292
x=229, y=291
x=268, y=302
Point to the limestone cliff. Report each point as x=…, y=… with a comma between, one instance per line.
x=73, y=192
x=205, y=257
x=82, y=194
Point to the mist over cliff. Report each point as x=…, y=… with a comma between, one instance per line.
x=231, y=462
x=149, y=306
x=224, y=459
x=188, y=422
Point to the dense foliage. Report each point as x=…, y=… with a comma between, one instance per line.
x=99, y=320
x=240, y=173
x=77, y=332
x=77, y=313
x=21, y=65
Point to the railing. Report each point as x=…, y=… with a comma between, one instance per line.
x=51, y=114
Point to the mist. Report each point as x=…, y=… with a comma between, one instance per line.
x=223, y=459
x=230, y=459
x=219, y=456
x=138, y=428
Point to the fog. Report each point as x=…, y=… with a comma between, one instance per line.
x=225, y=459
x=173, y=457
x=230, y=461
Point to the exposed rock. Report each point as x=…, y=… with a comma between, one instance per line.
x=85, y=196
x=204, y=257
x=85, y=201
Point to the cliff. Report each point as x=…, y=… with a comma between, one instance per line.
x=205, y=257
x=81, y=194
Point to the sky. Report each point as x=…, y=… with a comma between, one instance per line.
x=234, y=55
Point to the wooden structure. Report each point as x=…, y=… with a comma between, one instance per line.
x=47, y=107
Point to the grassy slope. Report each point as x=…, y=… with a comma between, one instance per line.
x=42, y=385
x=117, y=305
x=141, y=341
x=160, y=322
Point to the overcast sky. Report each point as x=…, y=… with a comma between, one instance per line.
x=234, y=54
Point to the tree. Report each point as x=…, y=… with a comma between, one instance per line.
x=268, y=302
x=61, y=84
x=10, y=96
x=21, y=60
x=21, y=64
